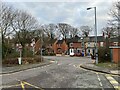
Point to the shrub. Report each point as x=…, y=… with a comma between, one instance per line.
x=45, y=53
x=104, y=54
x=14, y=54
x=38, y=59
x=6, y=50
x=12, y=61
x=52, y=54
x=28, y=53
x=28, y=60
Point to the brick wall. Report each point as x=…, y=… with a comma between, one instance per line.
x=116, y=53
x=77, y=45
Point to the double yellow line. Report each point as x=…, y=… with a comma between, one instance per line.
x=115, y=84
x=23, y=83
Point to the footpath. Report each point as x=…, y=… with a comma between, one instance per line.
x=93, y=67
x=12, y=69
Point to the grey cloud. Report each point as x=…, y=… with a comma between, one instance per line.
x=74, y=13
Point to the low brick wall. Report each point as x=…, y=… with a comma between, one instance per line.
x=116, y=54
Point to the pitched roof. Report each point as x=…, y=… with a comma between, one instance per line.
x=99, y=38
x=74, y=40
x=115, y=39
x=51, y=41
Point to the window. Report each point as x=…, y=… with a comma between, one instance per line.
x=115, y=43
x=82, y=44
x=71, y=44
x=88, y=44
x=59, y=45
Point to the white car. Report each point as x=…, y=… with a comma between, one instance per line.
x=71, y=52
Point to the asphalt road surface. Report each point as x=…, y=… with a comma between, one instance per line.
x=64, y=72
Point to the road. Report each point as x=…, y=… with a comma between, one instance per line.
x=64, y=72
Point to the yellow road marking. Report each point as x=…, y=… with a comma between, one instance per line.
x=22, y=85
x=109, y=77
x=26, y=83
x=114, y=83
x=30, y=84
x=117, y=87
x=11, y=86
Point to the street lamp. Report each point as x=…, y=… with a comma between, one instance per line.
x=95, y=34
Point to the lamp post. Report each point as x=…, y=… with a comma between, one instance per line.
x=41, y=46
x=96, y=53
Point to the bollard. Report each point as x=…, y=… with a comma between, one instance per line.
x=19, y=61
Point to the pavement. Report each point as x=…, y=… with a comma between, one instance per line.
x=93, y=67
x=88, y=66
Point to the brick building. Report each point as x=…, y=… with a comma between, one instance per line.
x=60, y=47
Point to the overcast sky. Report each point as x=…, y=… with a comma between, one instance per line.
x=72, y=12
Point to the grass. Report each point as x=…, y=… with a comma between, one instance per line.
x=108, y=65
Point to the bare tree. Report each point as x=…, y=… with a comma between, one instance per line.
x=115, y=13
x=49, y=30
x=85, y=30
x=64, y=29
x=74, y=31
x=109, y=32
x=22, y=24
x=7, y=15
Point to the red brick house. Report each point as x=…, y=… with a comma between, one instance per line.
x=49, y=48
x=75, y=46
x=60, y=47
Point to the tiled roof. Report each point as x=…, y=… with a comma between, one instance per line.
x=73, y=40
x=116, y=39
x=99, y=38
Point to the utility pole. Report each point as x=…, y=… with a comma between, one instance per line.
x=96, y=48
x=41, y=46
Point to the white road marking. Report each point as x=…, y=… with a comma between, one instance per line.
x=101, y=84
x=99, y=80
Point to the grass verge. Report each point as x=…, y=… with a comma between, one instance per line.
x=109, y=65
